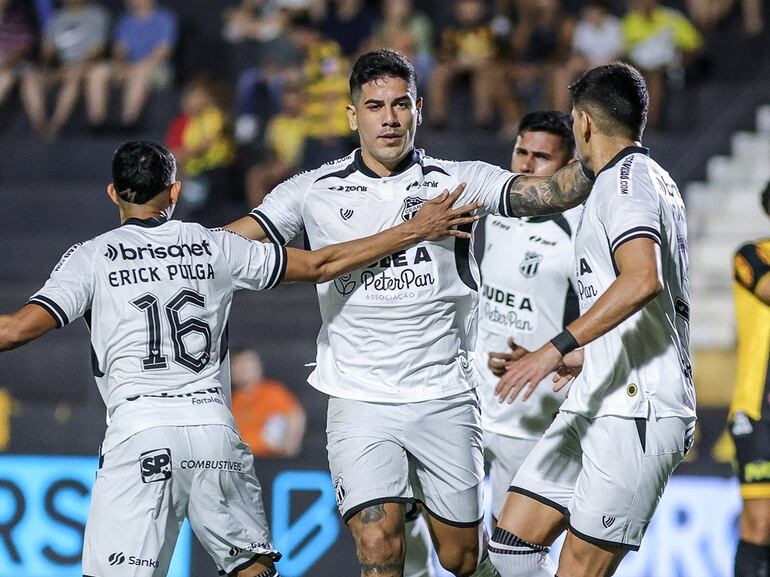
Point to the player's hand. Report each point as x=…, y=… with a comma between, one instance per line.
x=527, y=372
x=437, y=219
x=498, y=362
x=568, y=369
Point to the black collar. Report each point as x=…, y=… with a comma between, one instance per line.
x=627, y=151
x=406, y=163
x=147, y=222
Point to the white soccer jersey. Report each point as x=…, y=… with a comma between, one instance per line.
x=526, y=293
x=156, y=295
x=404, y=328
x=643, y=365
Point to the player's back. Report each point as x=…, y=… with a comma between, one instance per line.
x=156, y=295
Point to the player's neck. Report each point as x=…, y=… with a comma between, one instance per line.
x=382, y=168
x=142, y=212
x=605, y=148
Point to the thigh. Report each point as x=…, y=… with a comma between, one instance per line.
x=367, y=459
x=444, y=442
x=506, y=455
x=626, y=465
x=137, y=507
x=225, y=508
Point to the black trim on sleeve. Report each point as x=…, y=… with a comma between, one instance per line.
x=602, y=542
x=279, y=269
x=353, y=511
x=540, y=498
x=53, y=309
x=504, y=208
x=636, y=232
x=267, y=225
x=463, y=258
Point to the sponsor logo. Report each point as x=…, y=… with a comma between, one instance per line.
x=339, y=490
x=116, y=559
x=583, y=267
x=632, y=389
x=207, y=401
x=741, y=425
x=411, y=205
x=155, y=465
x=345, y=284
x=425, y=183
x=224, y=465
x=625, y=175
x=210, y=391
x=500, y=224
x=349, y=188
x=682, y=309
x=608, y=521
x=159, y=252
x=756, y=471
x=234, y=551
x=346, y=213
x=530, y=264
x=541, y=240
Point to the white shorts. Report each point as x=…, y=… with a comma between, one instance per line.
x=606, y=474
x=428, y=451
x=504, y=455
x=150, y=482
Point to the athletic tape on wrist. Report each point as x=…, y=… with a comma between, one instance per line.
x=565, y=342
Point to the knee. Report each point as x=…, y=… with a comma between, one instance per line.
x=755, y=528
x=377, y=543
x=460, y=560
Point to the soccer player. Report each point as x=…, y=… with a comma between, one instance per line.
x=749, y=413
x=602, y=465
x=395, y=347
x=156, y=295
x=526, y=298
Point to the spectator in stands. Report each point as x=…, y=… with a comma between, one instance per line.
x=408, y=32
x=18, y=35
x=597, y=40
x=467, y=49
x=205, y=148
x=659, y=41
x=144, y=40
x=285, y=142
x=351, y=24
x=708, y=13
x=268, y=415
x=74, y=41
x=541, y=43
x=258, y=20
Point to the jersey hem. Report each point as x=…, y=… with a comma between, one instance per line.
x=445, y=394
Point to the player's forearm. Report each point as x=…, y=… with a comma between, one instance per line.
x=23, y=326
x=249, y=228
x=625, y=297
x=536, y=195
x=332, y=261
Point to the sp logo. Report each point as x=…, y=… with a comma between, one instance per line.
x=411, y=205
x=345, y=284
x=155, y=465
x=116, y=558
x=111, y=253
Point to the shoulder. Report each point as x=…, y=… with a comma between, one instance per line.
x=339, y=168
x=432, y=164
x=85, y=250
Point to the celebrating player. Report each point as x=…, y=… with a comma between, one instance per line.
x=156, y=294
x=395, y=348
x=749, y=412
x=602, y=465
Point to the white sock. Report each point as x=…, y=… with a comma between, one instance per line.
x=514, y=557
x=486, y=568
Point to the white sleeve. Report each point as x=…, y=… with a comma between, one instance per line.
x=631, y=210
x=280, y=214
x=69, y=291
x=253, y=265
x=487, y=184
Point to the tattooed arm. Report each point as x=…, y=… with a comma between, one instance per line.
x=536, y=195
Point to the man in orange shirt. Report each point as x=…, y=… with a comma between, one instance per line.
x=269, y=416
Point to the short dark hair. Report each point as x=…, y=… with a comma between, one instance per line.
x=553, y=122
x=141, y=170
x=378, y=64
x=617, y=95
x=766, y=199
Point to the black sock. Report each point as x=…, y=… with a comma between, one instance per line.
x=752, y=560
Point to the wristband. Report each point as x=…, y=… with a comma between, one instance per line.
x=565, y=342
x=590, y=175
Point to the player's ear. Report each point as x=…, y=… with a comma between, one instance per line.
x=352, y=120
x=112, y=193
x=418, y=105
x=174, y=191
x=586, y=125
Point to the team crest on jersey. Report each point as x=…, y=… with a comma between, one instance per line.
x=530, y=264
x=344, y=284
x=411, y=205
x=346, y=213
x=339, y=490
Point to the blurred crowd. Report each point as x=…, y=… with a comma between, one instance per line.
x=280, y=106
